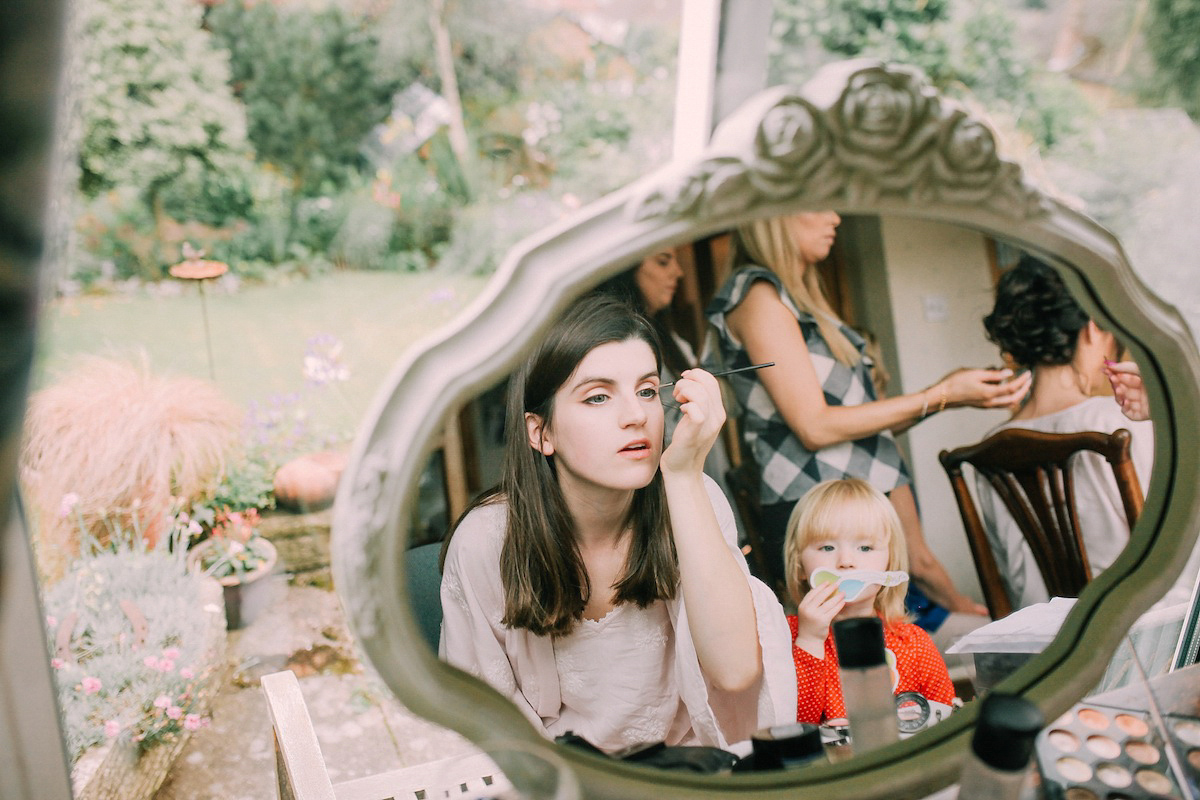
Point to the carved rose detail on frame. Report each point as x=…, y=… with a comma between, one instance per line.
x=792, y=136
x=884, y=133
x=792, y=145
x=886, y=118
x=965, y=161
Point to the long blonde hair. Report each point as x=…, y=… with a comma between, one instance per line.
x=840, y=506
x=768, y=243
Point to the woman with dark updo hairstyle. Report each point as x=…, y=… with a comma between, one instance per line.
x=1037, y=323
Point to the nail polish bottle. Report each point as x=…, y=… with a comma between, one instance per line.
x=866, y=683
x=997, y=765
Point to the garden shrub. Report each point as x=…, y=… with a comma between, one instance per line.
x=284, y=231
x=967, y=49
x=115, y=678
x=310, y=85
x=1172, y=32
x=155, y=111
x=489, y=228
x=117, y=236
x=124, y=445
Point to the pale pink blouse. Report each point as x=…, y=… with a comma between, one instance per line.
x=631, y=675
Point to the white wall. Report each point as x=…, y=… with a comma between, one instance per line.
x=940, y=287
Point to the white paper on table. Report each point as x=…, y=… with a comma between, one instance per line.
x=1026, y=630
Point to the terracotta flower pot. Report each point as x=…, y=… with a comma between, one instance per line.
x=246, y=595
x=309, y=482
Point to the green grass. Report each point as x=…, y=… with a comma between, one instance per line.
x=259, y=333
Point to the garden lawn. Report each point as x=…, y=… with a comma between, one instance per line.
x=259, y=334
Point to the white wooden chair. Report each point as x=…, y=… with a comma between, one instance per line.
x=300, y=768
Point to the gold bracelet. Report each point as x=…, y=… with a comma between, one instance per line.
x=942, y=405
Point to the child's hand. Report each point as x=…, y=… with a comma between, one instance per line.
x=814, y=614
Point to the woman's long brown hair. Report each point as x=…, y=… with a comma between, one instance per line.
x=545, y=582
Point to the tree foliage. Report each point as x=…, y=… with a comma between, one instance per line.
x=155, y=110
x=311, y=84
x=965, y=48
x=488, y=38
x=1173, y=36
x=888, y=29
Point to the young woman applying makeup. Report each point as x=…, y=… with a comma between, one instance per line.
x=815, y=416
x=600, y=586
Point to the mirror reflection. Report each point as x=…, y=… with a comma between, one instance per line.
x=817, y=467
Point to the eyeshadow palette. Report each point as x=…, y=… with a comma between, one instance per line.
x=1096, y=752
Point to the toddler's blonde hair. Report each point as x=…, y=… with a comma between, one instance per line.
x=839, y=506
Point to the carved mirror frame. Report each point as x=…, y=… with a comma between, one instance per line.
x=862, y=137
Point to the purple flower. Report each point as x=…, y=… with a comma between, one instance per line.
x=443, y=295
x=323, y=360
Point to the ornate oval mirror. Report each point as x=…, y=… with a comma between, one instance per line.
x=866, y=139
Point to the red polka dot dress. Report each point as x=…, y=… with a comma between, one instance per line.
x=918, y=667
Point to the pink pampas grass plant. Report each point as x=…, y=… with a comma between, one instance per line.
x=123, y=445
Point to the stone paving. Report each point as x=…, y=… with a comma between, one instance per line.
x=361, y=728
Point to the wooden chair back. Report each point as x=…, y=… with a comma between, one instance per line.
x=1031, y=473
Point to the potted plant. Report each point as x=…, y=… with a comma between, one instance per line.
x=137, y=650
x=238, y=557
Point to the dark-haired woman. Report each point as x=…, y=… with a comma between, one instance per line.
x=600, y=586
x=1037, y=322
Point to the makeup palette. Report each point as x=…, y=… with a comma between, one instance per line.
x=1096, y=752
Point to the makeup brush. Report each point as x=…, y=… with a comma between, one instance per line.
x=723, y=373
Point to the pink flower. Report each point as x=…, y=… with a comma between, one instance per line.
x=57, y=663
x=162, y=701
x=91, y=685
x=186, y=673
x=112, y=728
x=51, y=621
x=166, y=665
x=174, y=712
x=67, y=504
x=151, y=662
x=192, y=722
x=171, y=653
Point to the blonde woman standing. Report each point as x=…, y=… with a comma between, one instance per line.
x=815, y=415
